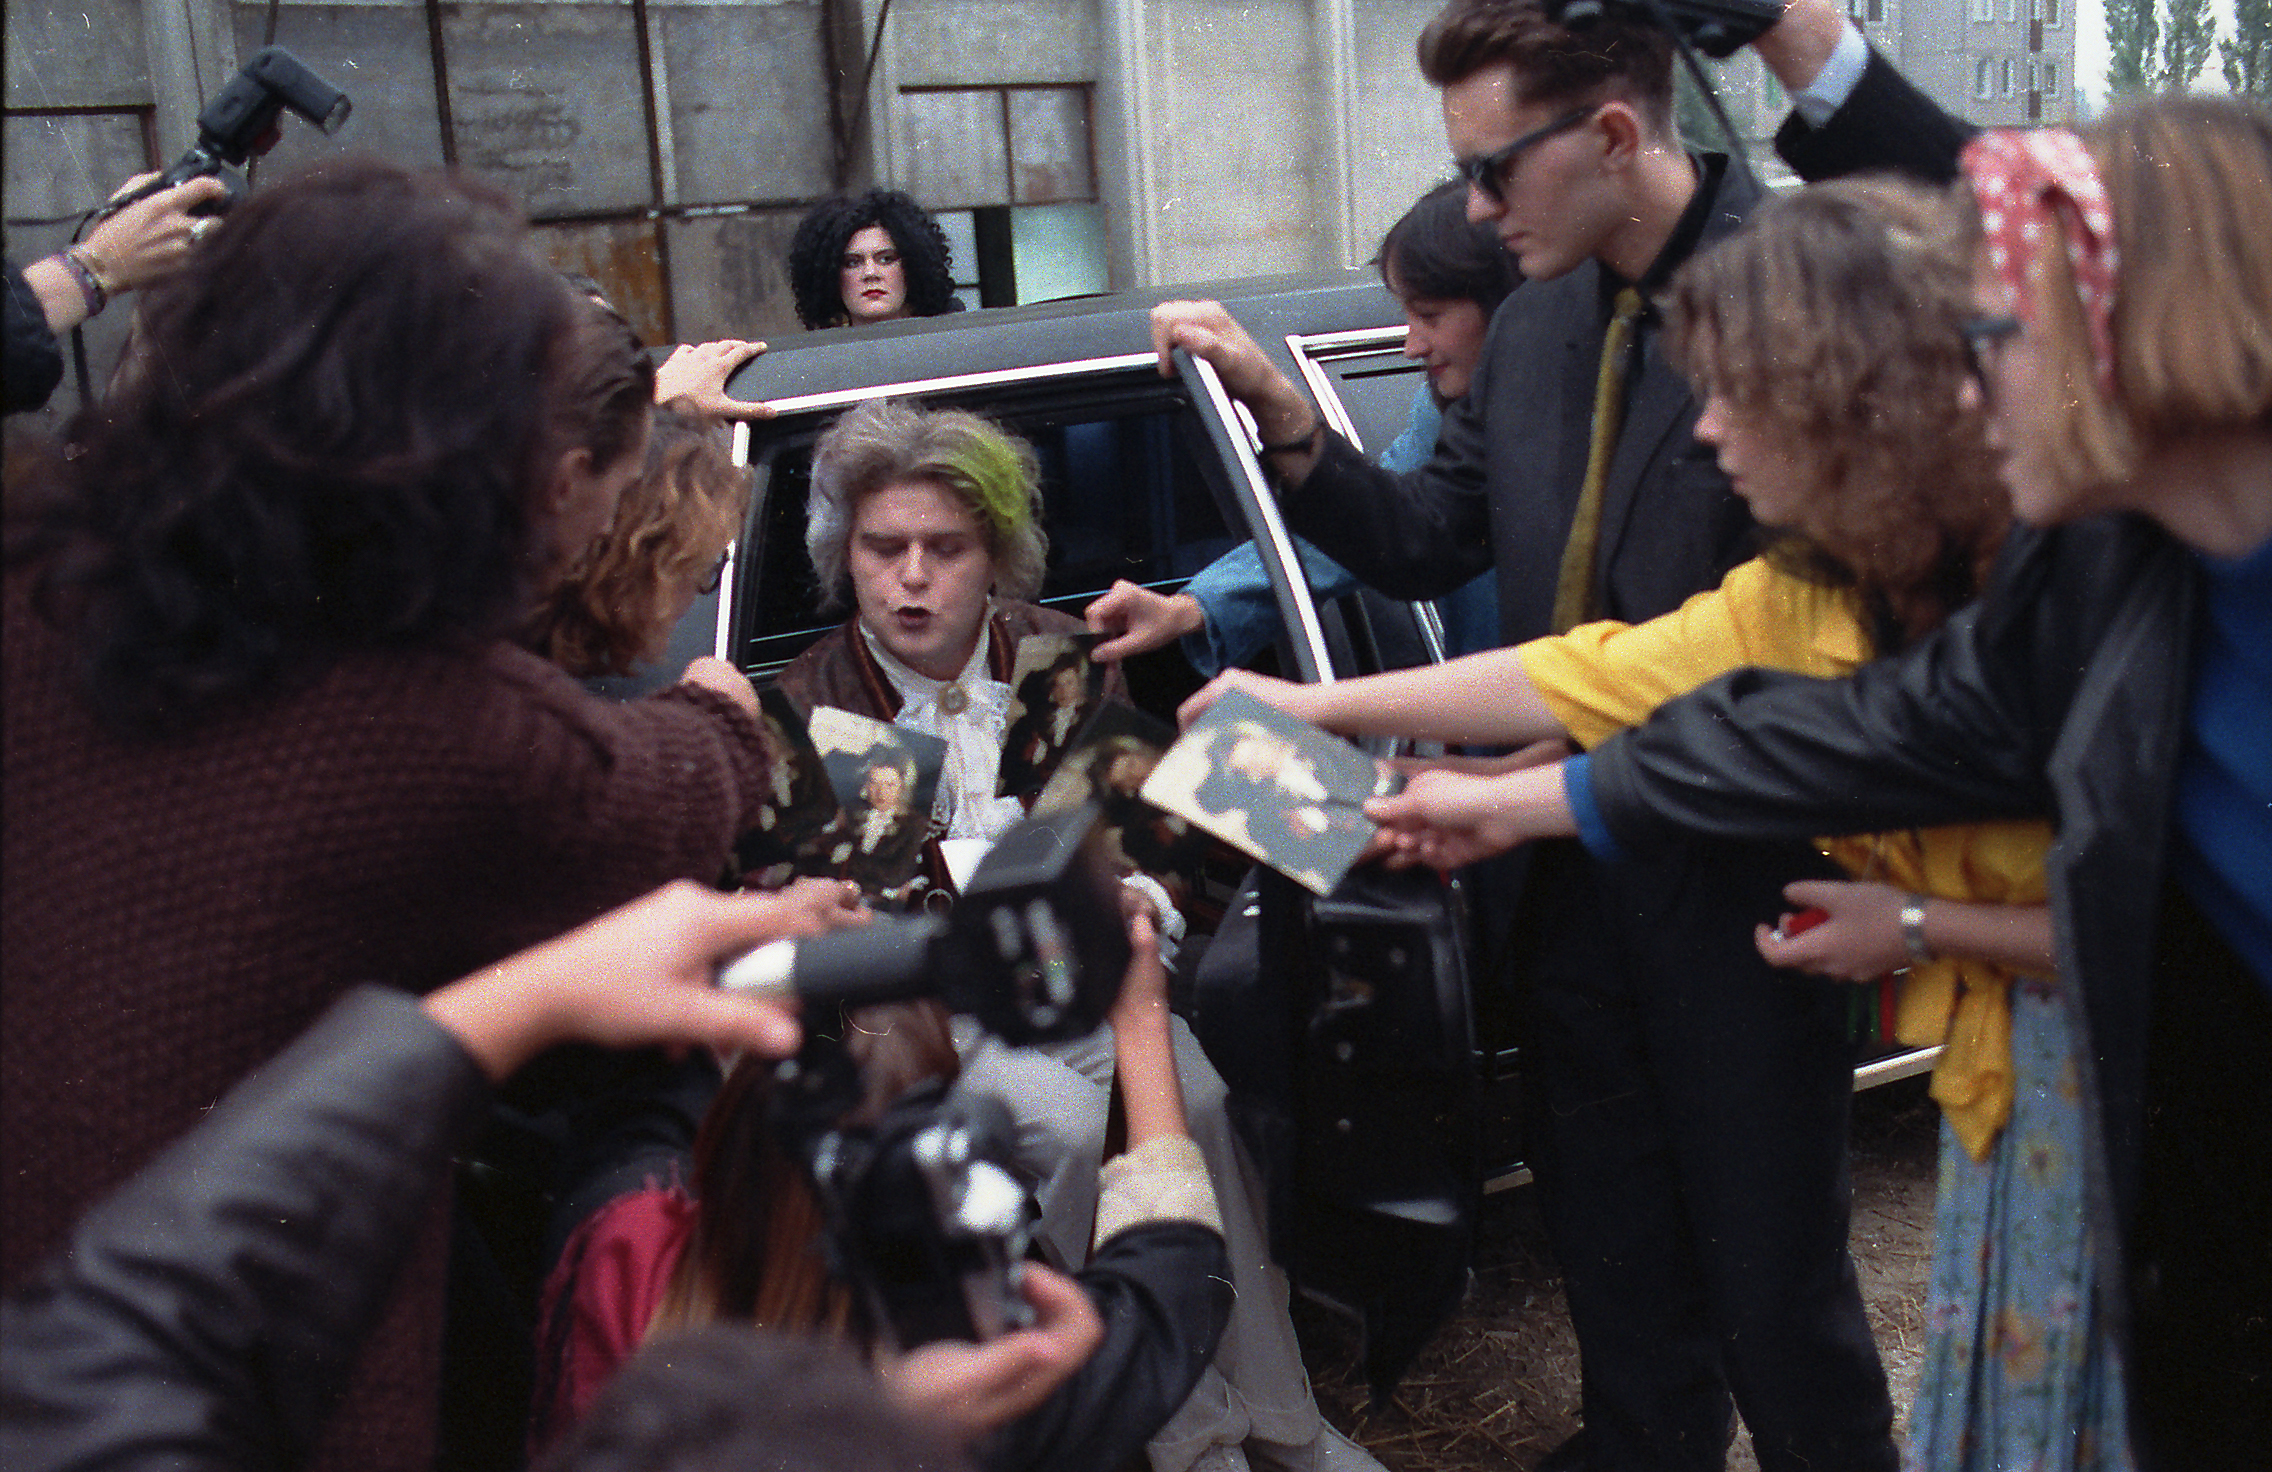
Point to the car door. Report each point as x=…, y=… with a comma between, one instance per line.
x=1360, y=999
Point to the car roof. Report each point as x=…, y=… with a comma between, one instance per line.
x=1001, y=339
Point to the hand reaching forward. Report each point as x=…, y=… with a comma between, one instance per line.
x=1140, y=620
x=644, y=974
x=1447, y=820
x=697, y=371
x=1294, y=699
x=969, y=1389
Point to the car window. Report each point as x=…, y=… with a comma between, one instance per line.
x=1128, y=485
x=1362, y=381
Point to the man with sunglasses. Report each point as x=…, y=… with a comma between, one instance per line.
x=1685, y=1105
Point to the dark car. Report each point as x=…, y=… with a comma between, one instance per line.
x=1377, y=1092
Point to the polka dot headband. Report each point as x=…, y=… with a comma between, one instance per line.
x=2027, y=179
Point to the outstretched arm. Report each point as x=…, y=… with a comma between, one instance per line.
x=1486, y=699
x=208, y=1312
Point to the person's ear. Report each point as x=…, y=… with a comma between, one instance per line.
x=1623, y=133
x=570, y=473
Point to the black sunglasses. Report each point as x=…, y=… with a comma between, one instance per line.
x=1488, y=171
x=1983, y=337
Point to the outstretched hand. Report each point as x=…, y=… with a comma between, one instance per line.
x=1447, y=820
x=970, y=1389
x=697, y=372
x=638, y=976
x=1138, y=620
x=1287, y=695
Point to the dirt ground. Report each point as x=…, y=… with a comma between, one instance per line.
x=1499, y=1387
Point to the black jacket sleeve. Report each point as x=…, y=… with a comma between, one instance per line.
x=1958, y=727
x=209, y=1311
x=1163, y=1289
x=33, y=364
x=1886, y=124
x=1418, y=535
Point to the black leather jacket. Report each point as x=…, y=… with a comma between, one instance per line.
x=208, y=1312
x=2063, y=690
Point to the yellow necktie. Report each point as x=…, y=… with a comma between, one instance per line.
x=1574, y=587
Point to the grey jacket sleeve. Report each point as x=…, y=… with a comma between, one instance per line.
x=208, y=1312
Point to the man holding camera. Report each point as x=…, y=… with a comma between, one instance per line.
x=1686, y=1105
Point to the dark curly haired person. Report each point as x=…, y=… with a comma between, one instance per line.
x=269, y=734
x=871, y=257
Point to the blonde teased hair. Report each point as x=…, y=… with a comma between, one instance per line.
x=888, y=442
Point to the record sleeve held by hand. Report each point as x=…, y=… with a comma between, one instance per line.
x=1275, y=787
x=884, y=777
x=796, y=825
x=1055, y=688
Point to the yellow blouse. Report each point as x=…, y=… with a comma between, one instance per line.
x=1602, y=677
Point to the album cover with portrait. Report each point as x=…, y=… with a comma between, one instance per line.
x=1054, y=689
x=883, y=777
x=1108, y=763
x=1275, y=787
x=796, y=823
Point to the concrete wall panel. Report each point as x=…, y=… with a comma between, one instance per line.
x=749, y=103
x=731, y=276
x=547, y=102
x=83, y=53
x=979, y=43
x=379, y=56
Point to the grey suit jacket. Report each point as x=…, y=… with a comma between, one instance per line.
x=1503, y=483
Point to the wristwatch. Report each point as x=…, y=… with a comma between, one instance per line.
x=1912, y=921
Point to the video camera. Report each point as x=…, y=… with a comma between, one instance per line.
x=926, y=1220
x=1718, y=28
x=243, y=120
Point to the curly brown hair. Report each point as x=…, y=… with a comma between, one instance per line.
x=616, y=604
x=1831, y=321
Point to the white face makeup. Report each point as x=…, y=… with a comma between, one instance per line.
x=873, y=279
x=921, y=573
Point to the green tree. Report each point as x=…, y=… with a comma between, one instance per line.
x=2185, y=44
x=2248, y=55
x=2133, y=33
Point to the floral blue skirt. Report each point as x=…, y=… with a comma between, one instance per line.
x=2020, y=1371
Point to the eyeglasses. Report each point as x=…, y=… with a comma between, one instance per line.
x=1488, y=171
x=1984, y=339
x=717, y=573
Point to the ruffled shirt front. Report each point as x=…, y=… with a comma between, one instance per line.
x=971, y=713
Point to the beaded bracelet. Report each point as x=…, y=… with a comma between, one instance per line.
x=90, y=281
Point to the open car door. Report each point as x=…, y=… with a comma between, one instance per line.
x=1343, y=1024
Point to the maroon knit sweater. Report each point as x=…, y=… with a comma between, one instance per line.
x=177, y=909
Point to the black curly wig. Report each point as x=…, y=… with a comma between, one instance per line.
x=816, y=255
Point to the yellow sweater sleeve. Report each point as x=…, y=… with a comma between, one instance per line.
x=1602, y=677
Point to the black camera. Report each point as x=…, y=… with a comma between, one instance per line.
x=1718, y=28
x=1034, y=949
x=926, y=1220
x=243, y=120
